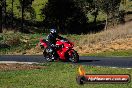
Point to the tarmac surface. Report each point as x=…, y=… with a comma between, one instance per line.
x=123, y=62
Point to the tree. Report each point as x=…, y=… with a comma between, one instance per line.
x=111, y=8
x=3, y=14
x=26, y=6
x=12, y=13
x=65, y=15
x=0, y=17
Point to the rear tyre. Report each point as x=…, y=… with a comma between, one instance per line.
x=47, y=56
x=73, y=56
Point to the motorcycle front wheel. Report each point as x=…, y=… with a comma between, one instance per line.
x=73, y=56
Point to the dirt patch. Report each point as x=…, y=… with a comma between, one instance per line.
x=119, y=38
x=16, y=66
x=34, y=51
x=119, y=44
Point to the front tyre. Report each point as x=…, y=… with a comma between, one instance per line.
x=73, y=56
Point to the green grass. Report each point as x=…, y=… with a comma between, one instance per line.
x=32, y=40
x=57, y=75
x=18, y=48
x=120, y=53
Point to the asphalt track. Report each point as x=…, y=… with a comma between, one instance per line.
x=123, y=62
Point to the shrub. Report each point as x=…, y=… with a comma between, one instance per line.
x=14, y=41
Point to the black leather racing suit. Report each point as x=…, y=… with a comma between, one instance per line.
x=51, y=38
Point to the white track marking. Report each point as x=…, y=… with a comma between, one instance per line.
x=115, y=67
x=13, y=62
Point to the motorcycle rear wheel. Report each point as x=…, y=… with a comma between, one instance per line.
x=47, y=56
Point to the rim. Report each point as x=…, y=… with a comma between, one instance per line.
x=73, y=57
x=48, y=57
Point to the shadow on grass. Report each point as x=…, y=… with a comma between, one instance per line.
x=3, y=46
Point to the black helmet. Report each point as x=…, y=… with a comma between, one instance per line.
x=53, y=31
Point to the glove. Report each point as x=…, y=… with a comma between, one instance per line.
x=52, y=45
x=55, y=46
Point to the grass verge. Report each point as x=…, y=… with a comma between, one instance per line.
x=119, y=53
x=57, y=75
x=18, y=42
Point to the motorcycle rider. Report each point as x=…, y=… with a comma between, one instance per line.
x=51, y=38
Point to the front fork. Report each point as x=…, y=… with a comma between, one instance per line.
x=70, y=52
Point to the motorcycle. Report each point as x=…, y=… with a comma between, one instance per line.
x=64, y=51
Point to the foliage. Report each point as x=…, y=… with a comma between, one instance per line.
x=111, y=8
x=1, y=37
x=68, y=16
x=38, y=5
x=64, y=14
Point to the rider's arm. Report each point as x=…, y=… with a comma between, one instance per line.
x=49, y=39
x=59, y=37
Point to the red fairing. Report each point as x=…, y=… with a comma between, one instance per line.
x=43, y=43
x=66, y=46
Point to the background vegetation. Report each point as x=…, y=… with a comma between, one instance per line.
x=112, y=42
x=68, y=16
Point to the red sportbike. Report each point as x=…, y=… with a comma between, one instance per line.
x=64, y=51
